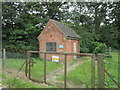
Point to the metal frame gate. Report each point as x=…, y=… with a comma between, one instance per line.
x=100, y=67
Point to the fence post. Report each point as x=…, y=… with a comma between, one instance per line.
x=100, y=71
x=109, y=50
x=65, y=71
x=27, y=63
x=4, y=54
x=93, y=71
x=119, y=68
x=26, y=66
x=4, y=57
x=45, y=68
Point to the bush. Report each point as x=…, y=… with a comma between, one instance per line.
x=101, y=48
x=92, y=47
x=84, y=50
x=84, y=46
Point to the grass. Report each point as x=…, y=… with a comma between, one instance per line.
x=14, y=64
x=37, y=71
x=111, y=66
x=82, y=74
x=14, y=82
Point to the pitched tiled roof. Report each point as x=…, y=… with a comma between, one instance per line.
x=65, y=29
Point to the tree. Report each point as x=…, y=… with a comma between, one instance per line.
x=24, y=21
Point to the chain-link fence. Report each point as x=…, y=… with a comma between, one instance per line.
x=12, y=62
x=42, y=69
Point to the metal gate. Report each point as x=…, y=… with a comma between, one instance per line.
x=30, y=64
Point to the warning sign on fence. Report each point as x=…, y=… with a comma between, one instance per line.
x=55, y=58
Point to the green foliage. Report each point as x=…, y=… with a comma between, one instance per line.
x=88, y=43
x=84, y=47
x=97, y=47
x=24, y=21
x=101, y=48
x=109, y=35
x=21, y=25
x=93, y=47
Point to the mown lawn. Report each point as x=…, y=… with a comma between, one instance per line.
x=82, y=74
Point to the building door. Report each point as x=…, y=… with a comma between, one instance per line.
x=75, y=49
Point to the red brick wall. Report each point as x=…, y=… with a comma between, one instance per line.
x=51, y=33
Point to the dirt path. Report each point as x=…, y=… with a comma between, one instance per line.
x=52, y=77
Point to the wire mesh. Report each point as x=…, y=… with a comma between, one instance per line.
x=36, y=67
x=111, y=66
x=40, y=70
x=55, y=70
x=13, y=62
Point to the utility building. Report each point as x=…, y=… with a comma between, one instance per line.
x=57, y=37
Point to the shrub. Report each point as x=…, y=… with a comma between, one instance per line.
x=84, y=50
x=84, y=46
x=101, y=48
x=92, y=47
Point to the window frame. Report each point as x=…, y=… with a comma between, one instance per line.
x=51, y=46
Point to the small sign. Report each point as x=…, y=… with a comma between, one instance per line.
x=61, y=46
x=55, y=58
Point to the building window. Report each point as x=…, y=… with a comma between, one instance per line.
x=50, y=46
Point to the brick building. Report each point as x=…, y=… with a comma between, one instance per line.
x=58, y=37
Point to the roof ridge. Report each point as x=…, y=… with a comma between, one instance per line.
x=70, y=28
x=57, y=26
x=68, y=31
